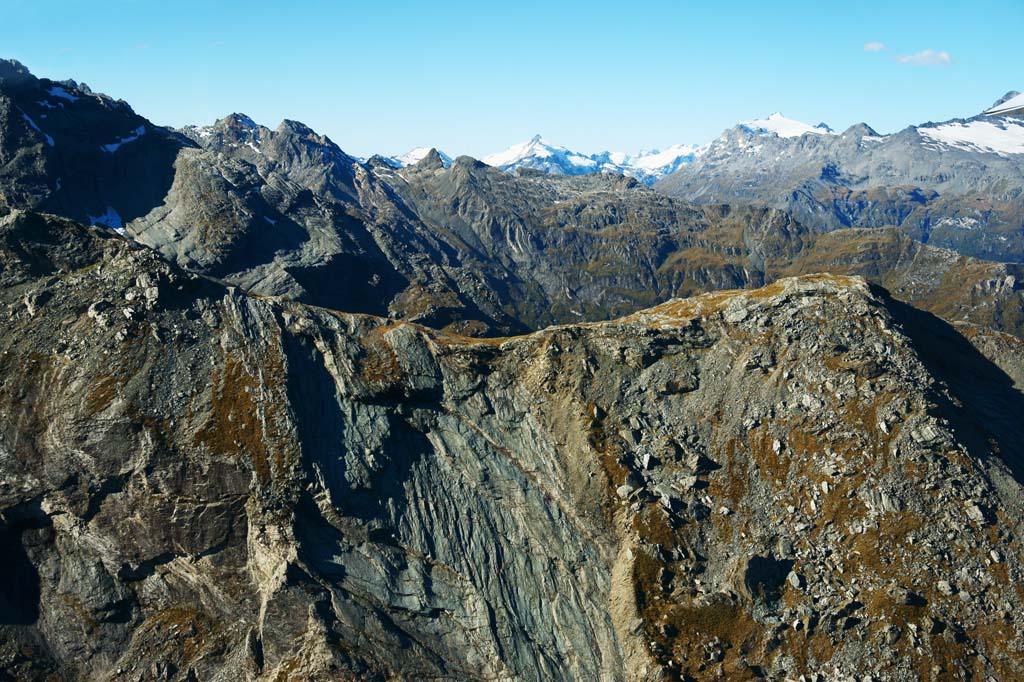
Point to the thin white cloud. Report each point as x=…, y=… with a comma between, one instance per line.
x=874, y=47
x=926, y=58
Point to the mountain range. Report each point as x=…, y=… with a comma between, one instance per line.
x=271, y=412
x=456, y=244
x=993, y=133
x=955, y=184
x=539, y=154
x=647, y=166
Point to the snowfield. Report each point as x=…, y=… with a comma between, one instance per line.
x=999, y=137
x=785, y=127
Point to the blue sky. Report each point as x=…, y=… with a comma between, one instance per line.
x=475, y=77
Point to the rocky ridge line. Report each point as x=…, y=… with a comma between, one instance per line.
x=203, y=484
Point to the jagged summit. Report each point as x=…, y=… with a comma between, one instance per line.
x=237, y=120
x=288, y=125
x=432, y=160
x=13, y=72
x=55, y=93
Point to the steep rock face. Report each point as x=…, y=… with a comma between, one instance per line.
x=274, y=211
x=67, y=150
x=199, y=484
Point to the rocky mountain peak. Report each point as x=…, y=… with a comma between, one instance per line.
x=237, y=121
x=432, y=160
x=859, y=130
x=291, y=127
x=13, y=72
x=414, y=156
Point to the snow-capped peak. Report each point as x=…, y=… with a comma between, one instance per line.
x=541, y=154
x=784, y=127
x=414, y=156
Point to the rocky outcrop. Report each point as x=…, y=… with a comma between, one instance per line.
x=201, y=484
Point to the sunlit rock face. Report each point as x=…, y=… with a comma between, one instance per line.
x=203, y=484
